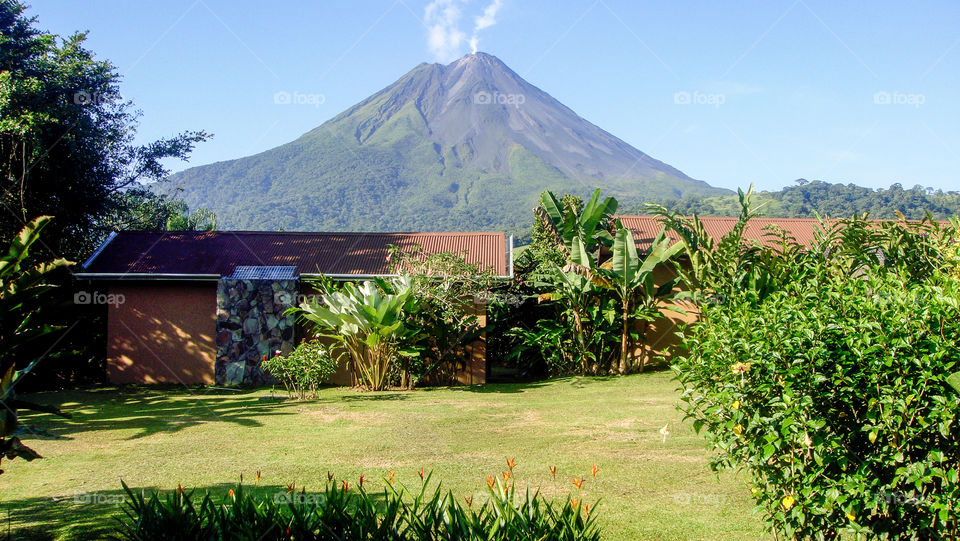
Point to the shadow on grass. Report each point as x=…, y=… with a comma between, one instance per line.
x=96, y=515
x=150, y=411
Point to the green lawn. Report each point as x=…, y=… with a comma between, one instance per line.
x=158, y=438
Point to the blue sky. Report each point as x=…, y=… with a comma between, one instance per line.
x=728, y=92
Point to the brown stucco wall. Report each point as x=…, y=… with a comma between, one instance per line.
x=163, y=332
x=660, y=338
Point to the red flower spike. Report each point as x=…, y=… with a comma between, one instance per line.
x=578, y=482
x=346, y=486
x=329, y=476
x=469, y=500
x=258, y=477
x=179, y=489
x=490, y=481
x=290, y=488
x=421, y=474
x=230, y=493
x=390, y=477
x=553, y=471
x=594, y=470
x=511, y=463
x=361, y=480
x=506, y=476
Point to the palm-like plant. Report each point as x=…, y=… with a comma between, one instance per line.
x=631, y=279
x=23, y=294
x=588, y=225
x=367, y=322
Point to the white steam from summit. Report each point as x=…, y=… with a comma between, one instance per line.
x=444, y=36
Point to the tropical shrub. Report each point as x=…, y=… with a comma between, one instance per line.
x=446, y=290
x=831, y=375
x=346, y=512
x=366, y=322
x=304, y=369
x=24, y=294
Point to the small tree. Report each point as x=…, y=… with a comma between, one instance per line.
x=23, y=294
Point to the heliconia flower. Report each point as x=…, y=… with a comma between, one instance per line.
x=506, y=475
x=553, y=471
x=329, y=476
x=511, y=463
x=490, y=481
x=179, y=489
x=594, y=470
x=574, y=502
x=469, y=500
x=230, y=493
x=390, y=477
x=361, y=480
x=291, y=488
x=258, y=477
x=586, y=507
x=787, y=502
x=346, y=486
x=578, y=482
x=421, y=474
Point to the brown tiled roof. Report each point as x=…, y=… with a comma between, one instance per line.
x=218, y=252
x=645, y=228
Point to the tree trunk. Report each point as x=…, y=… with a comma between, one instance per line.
x=624, y=360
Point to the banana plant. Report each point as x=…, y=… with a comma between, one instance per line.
x=367, y=322
x=589, y=225
x=23, y=296
x=631, y=279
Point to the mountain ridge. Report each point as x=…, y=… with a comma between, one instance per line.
x=467, y=145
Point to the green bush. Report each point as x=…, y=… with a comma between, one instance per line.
x=833, y=394
x=304, y=369
x=346, y=512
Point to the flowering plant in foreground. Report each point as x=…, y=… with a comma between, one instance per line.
x=346, y=511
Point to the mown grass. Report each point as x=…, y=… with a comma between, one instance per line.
x=204, y=438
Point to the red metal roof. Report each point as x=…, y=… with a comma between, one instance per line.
x=645, y=228
x=218, y=252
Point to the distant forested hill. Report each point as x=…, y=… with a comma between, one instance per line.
x=806, y=198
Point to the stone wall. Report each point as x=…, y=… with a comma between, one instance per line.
x=251, y=324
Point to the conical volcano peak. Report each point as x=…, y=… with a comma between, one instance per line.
x=468, y=145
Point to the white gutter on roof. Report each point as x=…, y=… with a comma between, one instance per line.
x=94, y=255
x=144, y=276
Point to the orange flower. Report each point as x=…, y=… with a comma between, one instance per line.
x=469, y=500
x=586, y=507
x=390, y=477
x=179, y=489
x=258, y=477
x=506, y=476
x=490, y=481
x=574, y=502
x=594, y=470
x=329, y=476
x=578, y=482
x=290, y=488
x=553, y=471
x=230, y=493
x=361, y=480
x=421, y=474
x=511, y=463
x=346, y=486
